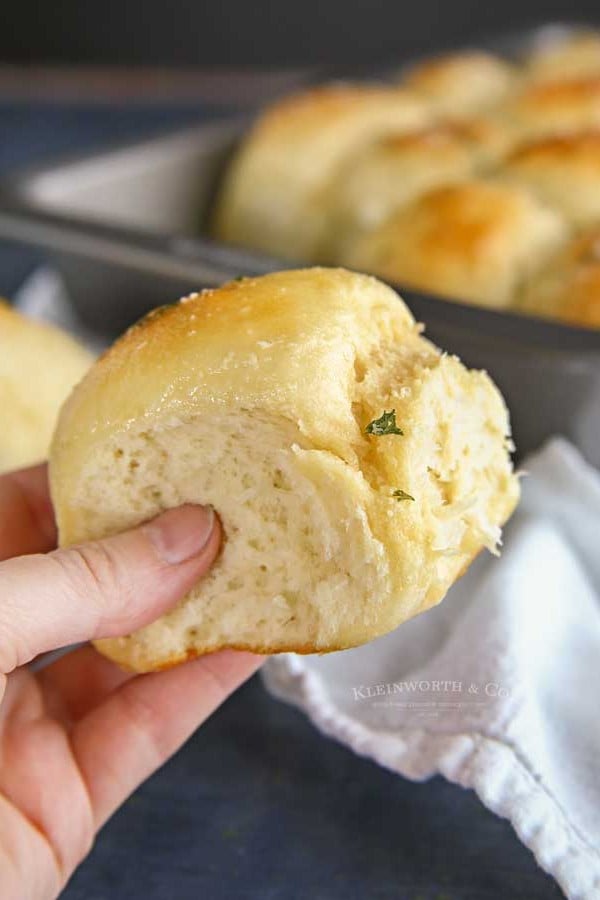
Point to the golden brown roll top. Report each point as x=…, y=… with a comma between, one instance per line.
x=275, y=193
x=569, y=288
x=555, y=107
x=475, y=241
x=563, y=171
x=356, y=470
x=565, y=58
x=357, y=175
x=389, y=173
x=561, y=90
x=39, y=364
x=459, y=84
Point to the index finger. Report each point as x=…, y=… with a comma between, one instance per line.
x=26, y=516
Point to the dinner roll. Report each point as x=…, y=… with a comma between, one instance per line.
x=462, y=83
x=474, y=241
x=569, y=288
x=564, y=171
x=557, y=106
x=39, y=365
x=355, y=468
x=576, y=56
x=390, y=172
x=275, y=193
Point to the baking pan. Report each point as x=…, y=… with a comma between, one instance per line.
x=125, y=228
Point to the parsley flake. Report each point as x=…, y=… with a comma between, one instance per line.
x=399, y=494
x=385, y=424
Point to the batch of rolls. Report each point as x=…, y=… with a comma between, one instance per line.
x=472, y=177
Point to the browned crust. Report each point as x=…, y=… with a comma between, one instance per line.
x=433, y=71
x=258, y=649
x=558, y=94
x=585, y=145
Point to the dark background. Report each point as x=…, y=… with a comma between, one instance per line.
x=258, y=32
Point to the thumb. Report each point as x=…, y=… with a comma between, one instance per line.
x=102, y=588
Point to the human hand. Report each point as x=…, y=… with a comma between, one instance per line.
x=79, y=736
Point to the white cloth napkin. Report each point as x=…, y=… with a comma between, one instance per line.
x=498, y=688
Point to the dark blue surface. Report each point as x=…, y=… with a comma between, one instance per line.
x=258, y=805
x=33, y=133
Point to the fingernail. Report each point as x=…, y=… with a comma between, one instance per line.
x=182, y=533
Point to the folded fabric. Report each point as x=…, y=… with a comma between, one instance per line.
x=497, y=688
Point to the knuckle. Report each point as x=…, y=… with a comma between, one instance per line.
x=91, y=567
x=12, y=650
x=86, y=833
x=216, y=679
x=12, y=646
x=144, y=718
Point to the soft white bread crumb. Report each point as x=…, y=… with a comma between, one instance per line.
x=39, y=365
x=255, y=398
